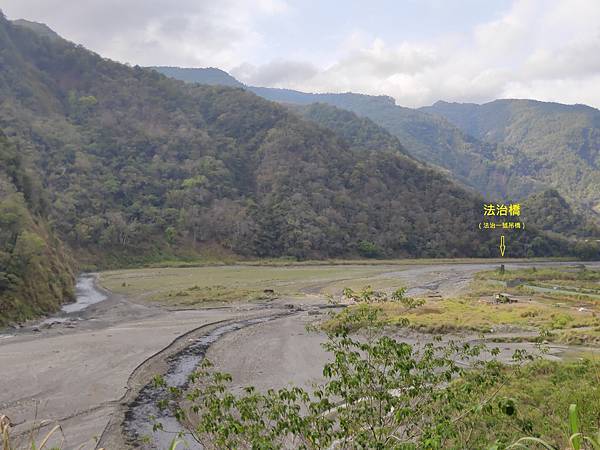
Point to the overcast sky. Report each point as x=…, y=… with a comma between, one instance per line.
x=417, y=51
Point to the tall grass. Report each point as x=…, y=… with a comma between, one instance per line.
x=577, y=440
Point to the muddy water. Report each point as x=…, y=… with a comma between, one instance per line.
x=86, y=294
x=138, y=423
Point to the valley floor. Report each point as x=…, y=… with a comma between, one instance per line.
x=86, y=373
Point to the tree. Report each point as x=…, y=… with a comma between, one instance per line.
x=368, y=249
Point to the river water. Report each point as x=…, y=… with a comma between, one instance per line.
x=138, y=423
x=86, y=294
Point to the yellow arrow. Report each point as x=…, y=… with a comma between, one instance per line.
x=502, y=245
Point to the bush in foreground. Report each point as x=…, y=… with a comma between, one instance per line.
x=378, y=393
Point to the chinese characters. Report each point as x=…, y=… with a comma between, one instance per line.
x=511, y=211
x=491, y=209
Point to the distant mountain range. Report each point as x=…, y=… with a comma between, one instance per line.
x=209, y=75
x=559, y=145
x=506, y=149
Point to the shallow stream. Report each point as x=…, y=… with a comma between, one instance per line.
x=138, y=423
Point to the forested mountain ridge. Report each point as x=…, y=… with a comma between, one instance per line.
x=432, y=139
x=428, y=137
x=561, y=141
x=41, y=29
x=126, y=153
x=545, y=210
x=549, y=211
x=361, y=133
x=506, y=149
x=209, y=75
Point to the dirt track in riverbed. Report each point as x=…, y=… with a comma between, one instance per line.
x=82, y=376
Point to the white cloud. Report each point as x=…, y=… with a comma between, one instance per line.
x=157, y=32
x=544, y=49
x=382, y=61
x=575, y=60
x=570, y=91
x=275, y=73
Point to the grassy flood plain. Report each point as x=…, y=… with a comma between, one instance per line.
x=561, y=300
x=566, y=310
x=196, y=283
x=199, y=286
x=566, y=306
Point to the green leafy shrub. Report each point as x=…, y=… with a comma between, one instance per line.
x=399, y=295
x=378, y=393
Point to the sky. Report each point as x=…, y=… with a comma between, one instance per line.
x=417, y=51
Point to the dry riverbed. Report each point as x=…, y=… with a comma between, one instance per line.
x=86, y=372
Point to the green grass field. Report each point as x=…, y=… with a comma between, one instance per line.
x=190, y=286
x=540, y=394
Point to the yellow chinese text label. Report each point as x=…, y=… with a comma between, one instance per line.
x=491, y=209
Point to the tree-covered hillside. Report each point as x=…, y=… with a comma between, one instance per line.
x=360, y=132
x=35, y=271
x=506, y=149
x=549, y=211
x=431, y=139
x=483, y=166
x=561, y=141
x=137, y=164
x=427, y=137
x=41, y=29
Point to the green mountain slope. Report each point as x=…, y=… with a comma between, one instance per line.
x=546, y=210
x=499, y=170
x=138, y=165
x=35, y=272
x=507, y=149
x=41, y=29
x=431, y=139
x=361, y=133
x=561, y=141
x=486, y=167
x=549, y=211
